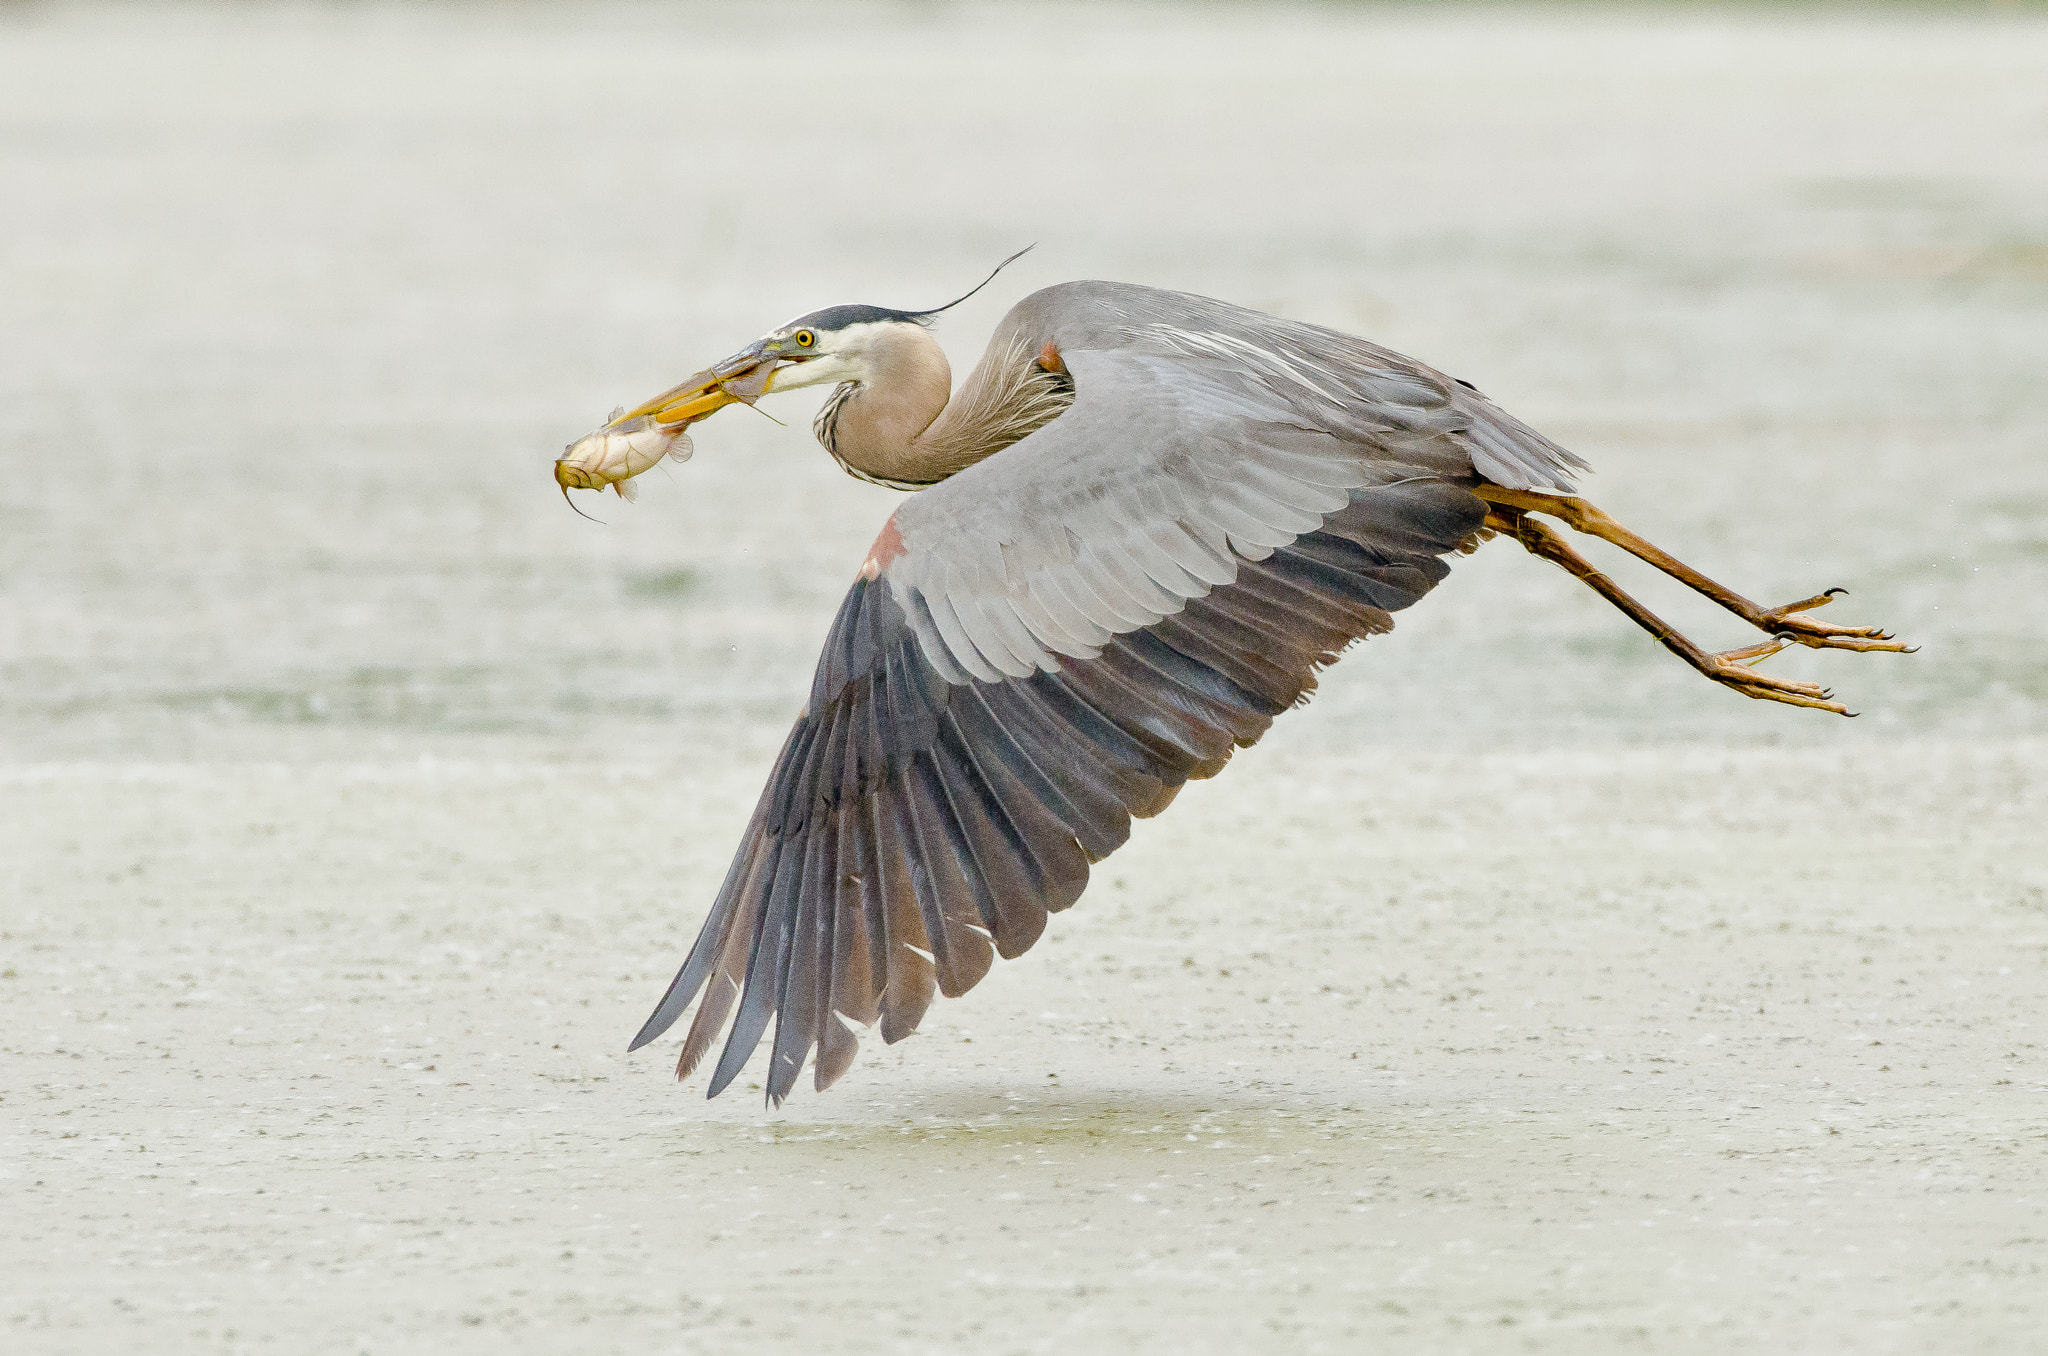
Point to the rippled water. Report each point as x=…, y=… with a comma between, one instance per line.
x=298, y=307
x=357, y=798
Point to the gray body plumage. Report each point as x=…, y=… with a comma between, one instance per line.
x=1200, y=434
x=1052, y=640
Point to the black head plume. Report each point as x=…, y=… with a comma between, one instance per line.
x=920, y=316
x=839, y=317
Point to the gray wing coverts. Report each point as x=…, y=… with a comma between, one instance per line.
x=913, y=827
x=1077, y=626
x=1201, y=435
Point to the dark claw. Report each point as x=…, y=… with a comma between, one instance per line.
x=1835, y=592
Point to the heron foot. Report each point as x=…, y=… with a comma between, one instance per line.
x=1736, y=669
x=1731, y=668
x=1787, y=625
x=1581, y=516
x=1787, y=621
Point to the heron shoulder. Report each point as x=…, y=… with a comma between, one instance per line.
x=1090, y=312
x=1343, y=383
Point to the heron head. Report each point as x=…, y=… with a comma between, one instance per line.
x=832, y=346
x=827, y=347
x=839, y=345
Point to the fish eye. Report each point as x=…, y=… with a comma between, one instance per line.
x=804, y=338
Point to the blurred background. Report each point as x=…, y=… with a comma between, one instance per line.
x=357, y=798
x=300, y=301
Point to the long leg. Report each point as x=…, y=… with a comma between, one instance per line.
x=1731, y=667
x=1779, y=621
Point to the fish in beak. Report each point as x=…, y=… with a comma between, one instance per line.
x=834, y=344
x=616, y=453
x=635, y=440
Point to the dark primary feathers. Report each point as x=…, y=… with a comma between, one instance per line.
x=913, y=828
x=1053, y=641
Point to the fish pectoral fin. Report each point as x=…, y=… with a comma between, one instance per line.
x=628, y=491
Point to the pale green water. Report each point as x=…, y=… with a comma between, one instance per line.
x=356, y=798
x=298, y=306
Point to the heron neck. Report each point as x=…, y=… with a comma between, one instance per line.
x=879, y=428
x=900, y=428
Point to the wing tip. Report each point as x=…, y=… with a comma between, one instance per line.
x=721, y=1079
x=650, y=1031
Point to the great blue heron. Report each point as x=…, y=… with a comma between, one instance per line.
x=1140, y=527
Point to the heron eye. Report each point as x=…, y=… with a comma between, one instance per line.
x=804, y=338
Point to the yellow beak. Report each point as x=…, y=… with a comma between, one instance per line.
x=745, y=376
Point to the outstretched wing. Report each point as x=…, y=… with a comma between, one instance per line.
x=1052, y=642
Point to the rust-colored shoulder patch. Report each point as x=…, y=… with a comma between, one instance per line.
x=1049, y=357
x=888, y=546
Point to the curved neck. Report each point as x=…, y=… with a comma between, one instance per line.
x=899, y=428
x=876, y=427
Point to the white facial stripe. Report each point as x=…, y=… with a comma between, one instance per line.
x=826, y=367
x=837, y=356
